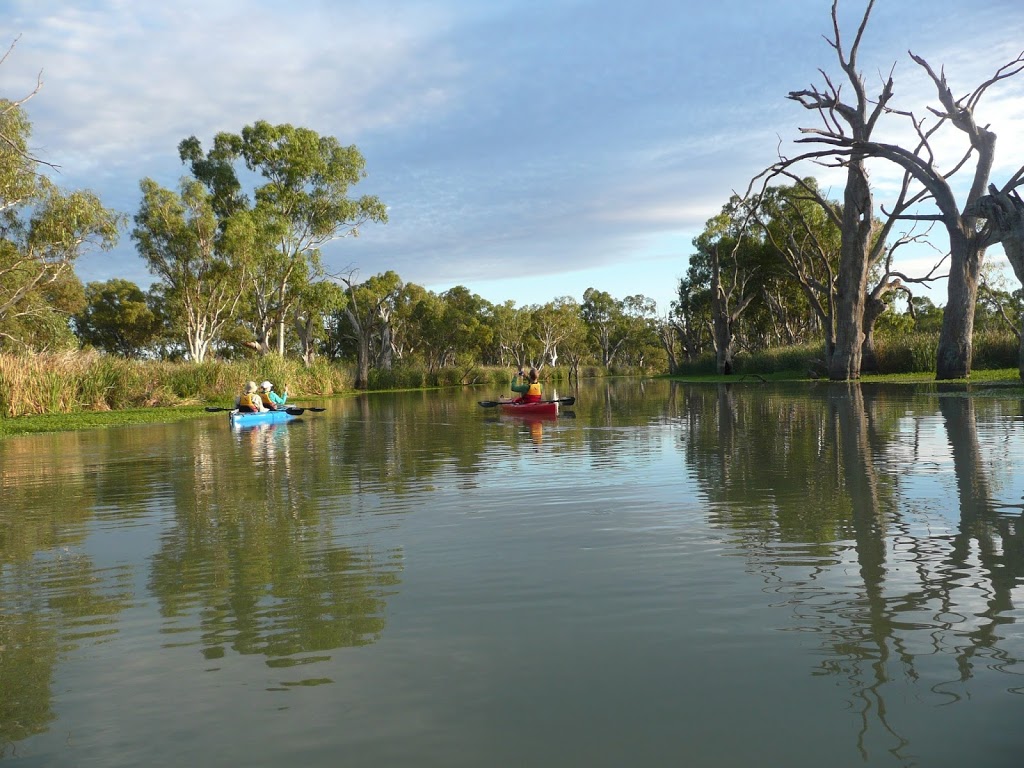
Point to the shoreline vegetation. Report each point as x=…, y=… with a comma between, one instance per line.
x=83, y=390
x=87, y=390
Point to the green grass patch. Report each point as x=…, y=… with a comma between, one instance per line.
x=70, y=422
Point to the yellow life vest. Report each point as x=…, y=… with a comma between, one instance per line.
x=250, y=402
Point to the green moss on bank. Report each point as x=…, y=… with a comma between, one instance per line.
x=70, y=422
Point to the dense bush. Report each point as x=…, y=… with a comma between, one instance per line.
x=907, y=353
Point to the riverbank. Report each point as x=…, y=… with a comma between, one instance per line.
x=1003, y=379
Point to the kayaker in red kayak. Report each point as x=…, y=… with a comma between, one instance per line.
x=529, y=391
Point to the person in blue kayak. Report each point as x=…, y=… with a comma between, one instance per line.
x=249, y=401
x=529, y=389
x=271, y=399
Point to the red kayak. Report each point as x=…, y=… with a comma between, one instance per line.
x=544, y=408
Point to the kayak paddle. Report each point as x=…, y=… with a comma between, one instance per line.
x=494, y=403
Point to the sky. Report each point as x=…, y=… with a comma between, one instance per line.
x=526, y=150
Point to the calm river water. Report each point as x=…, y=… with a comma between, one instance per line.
x=665, y=575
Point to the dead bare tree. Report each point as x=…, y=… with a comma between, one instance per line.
x=967, y=244
x=889, y=281
x=854, y=123
x=845, y=135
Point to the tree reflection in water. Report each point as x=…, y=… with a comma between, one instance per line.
x=813, y=484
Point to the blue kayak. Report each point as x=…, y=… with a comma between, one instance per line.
x=240, y=419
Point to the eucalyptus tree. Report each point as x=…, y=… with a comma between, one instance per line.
x=302, y=205
x=1003, y=213
x=43, y=232
x=921, y=162
x=553, y=323
x=405, y=340
x=453, y=327
x=427, y=318
x=313, y=305
x=467, y=334
x=690, y=315
x=727, y=266
x=640, y=321
x=603, y=317
x=117, y=318
x=855, y=217
x=575, y=348
x=364, y=319
x=201, y=276
x=807, y=241
x=510, y=333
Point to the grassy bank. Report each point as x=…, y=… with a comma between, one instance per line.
x=1004, y=378
x=50, y=393
x=89, y=382
x=96, y=419
x=902, y=357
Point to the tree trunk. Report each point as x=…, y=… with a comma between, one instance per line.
x=953, y=360
x=720, y=318
x=873, y=309
x=1004, y=213
x=723, y=346
x=362, y=362
x=845, y=361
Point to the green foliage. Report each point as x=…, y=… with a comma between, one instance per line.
x=43, y=231
x=302, y=205
x=994, y=349
x=200, y=281
x=907, y=352
x=117, y=318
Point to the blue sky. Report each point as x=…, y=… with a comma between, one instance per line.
x=526, y=150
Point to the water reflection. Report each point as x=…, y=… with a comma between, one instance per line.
x=255, y=563
x=879, y=530
x=925, y=606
